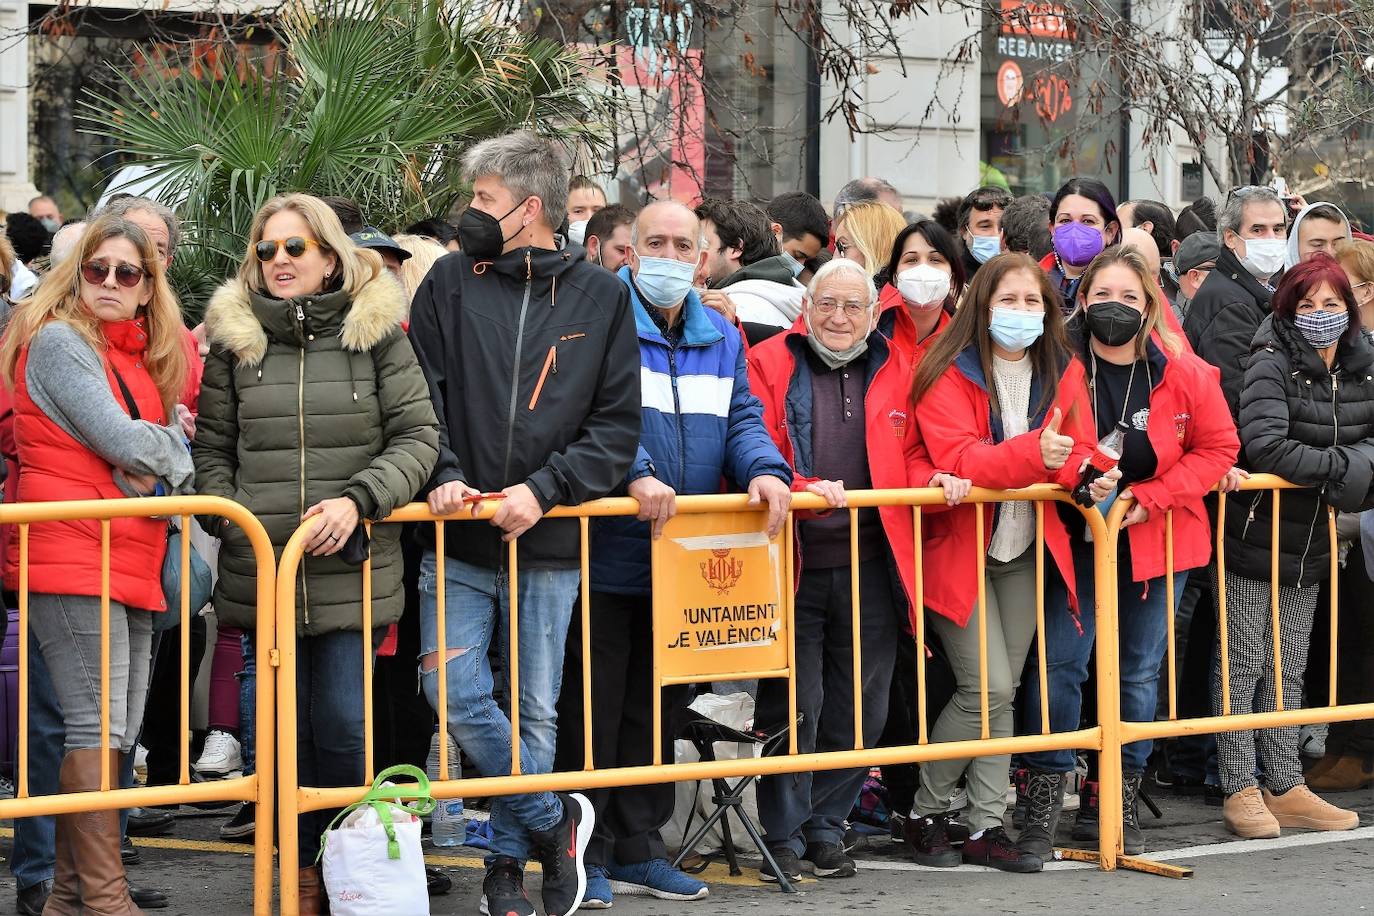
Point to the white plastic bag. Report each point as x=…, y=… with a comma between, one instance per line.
x=372, y=858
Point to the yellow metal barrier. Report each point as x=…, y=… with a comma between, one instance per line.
x=296, y=799
x=1287, y=713
x=258, y=788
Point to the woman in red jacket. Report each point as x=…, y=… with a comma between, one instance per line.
x=926, y=280
x=96, y=363
x=1179, y=442
x=1000, y=400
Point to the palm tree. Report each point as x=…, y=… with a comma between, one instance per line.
x=375, y=101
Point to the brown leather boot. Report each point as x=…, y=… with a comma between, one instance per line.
x=312, y=892
x=1346, y=773
x=65, y=899
x=93, y=838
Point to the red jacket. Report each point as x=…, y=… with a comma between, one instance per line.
x=955, y=423
x=64, y=557
x=1195, y=444
x=893, y=458
x=900, y=327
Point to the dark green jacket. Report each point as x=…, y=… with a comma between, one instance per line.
x=304, y=400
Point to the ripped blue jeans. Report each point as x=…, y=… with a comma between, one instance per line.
x=477, y=610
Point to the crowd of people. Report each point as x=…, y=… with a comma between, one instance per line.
x=550, y=349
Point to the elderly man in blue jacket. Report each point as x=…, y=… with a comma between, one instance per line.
x=700, y=426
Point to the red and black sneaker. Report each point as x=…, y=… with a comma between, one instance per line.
x=930, y=842
x=996, y=850
x=561, y=851
x=503, y=889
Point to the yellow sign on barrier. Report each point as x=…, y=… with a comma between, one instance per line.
x=719, y=605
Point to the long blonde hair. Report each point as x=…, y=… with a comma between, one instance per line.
x=874, y=227
x=424, y=252
x=58, y=298
x=357, y=266
x=1129, y=256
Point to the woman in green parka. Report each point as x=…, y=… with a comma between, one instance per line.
x=313, y=406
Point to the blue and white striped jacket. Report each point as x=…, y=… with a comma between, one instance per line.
x=701, y=431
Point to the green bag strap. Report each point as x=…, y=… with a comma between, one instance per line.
x=382, y=797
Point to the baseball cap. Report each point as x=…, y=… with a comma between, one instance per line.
x=372, y=237
x=1197, y=249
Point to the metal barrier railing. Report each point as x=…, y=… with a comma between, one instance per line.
x=296, y=799
x=1288, y=712
x=257, y=788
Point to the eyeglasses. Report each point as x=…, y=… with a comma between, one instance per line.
x=295, y=246
x=126, y=275
x=851, y=309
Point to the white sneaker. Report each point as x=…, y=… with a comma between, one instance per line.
x=221, y=757
x=1312, y=740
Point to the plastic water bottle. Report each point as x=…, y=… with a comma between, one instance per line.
x=447, y=823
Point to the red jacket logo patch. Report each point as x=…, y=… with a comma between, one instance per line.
x=898, y=420
x=1181, y=425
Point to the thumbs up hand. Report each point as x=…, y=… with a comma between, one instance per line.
x=1054, y=446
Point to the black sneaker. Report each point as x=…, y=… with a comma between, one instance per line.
x=788, y=864
x=437, y=881
x=128, y=853
x=503, y=890
x=996, y=850
x=829, y=860
x=561, y=852
x=930, y=841
x=242, y=825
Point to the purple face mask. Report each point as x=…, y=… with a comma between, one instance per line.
x=1077, y=244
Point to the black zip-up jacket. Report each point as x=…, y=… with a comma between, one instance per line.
x=1222, y=320
x=533, y=366
x=1312, y=427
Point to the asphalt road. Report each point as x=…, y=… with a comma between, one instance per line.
x=1320, y=873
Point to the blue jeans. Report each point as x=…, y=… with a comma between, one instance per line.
x=330, y=738
x=1143, y=629
x=35, y=838
x=477, y=609
x=248, y=703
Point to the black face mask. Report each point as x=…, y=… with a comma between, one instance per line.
x=1113, y=323
x=480, y=235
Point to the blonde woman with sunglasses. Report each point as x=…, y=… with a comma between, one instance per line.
x=96, y=364
x=314, y=408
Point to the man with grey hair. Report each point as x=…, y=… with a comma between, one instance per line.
x=65, y=241
x=699, y=424
x=1233, y=300
x=530, y=356
x=865, y=189
x=836, y=399
x=155, y=218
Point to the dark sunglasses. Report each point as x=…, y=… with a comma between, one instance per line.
x=295, y=246
x=126, y=275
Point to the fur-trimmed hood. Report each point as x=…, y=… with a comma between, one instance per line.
x=242, y=321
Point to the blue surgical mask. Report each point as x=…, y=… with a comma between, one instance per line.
x=792, y=264
x=985, y=247
x=665, y=282
x=1013, y=329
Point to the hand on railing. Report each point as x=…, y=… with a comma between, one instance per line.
x=518, y=513
x=657, y=502
x=956, y=488
x=832, y=491
x=448, y=498
x=338, y=519
x=768, y=489
x=1231, y=482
